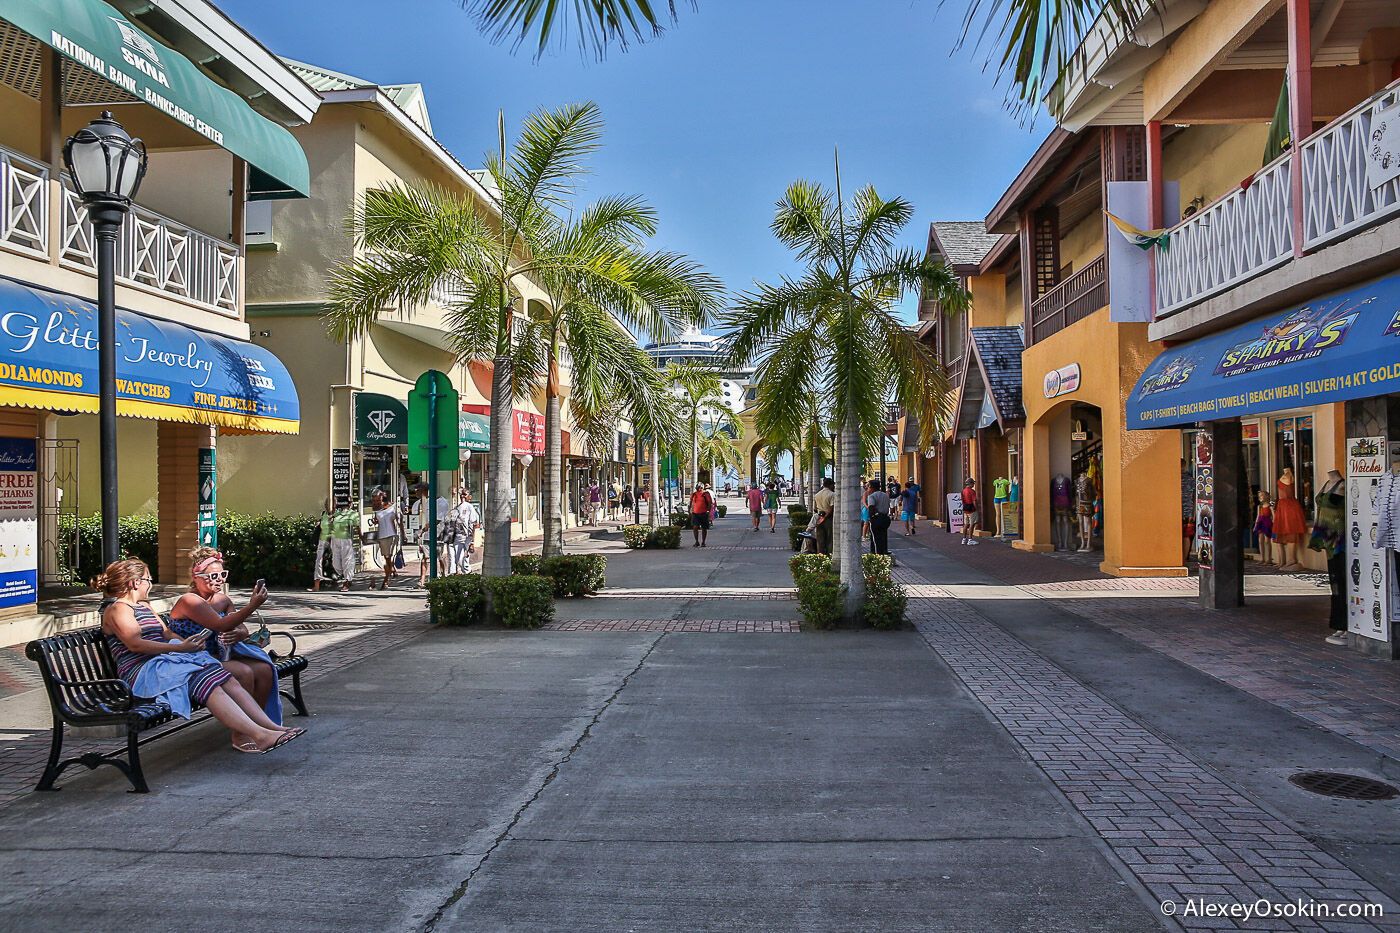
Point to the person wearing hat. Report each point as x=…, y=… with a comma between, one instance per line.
x=969, y=522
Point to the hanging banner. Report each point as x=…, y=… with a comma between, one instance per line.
x=19, y=521
x=341, y=476
x=1205, y=500
x=1368, y=567
x=208, y=492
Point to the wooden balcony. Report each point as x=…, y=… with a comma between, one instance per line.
x=1074, y=299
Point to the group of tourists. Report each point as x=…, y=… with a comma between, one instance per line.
x=880, y=503
x=615, y=502
x=205, y=654
x=764, y=501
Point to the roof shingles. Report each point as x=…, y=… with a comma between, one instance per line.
x=963, y=242
x=999, y=349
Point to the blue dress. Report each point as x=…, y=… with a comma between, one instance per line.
x=178, y=679
x=238, y=650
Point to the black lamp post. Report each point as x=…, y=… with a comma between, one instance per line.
x=107, y=166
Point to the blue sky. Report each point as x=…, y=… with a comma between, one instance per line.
x=713, y=120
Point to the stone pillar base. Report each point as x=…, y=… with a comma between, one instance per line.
x=1023, y=545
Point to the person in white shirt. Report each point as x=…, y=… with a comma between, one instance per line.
x=419, y=513
x=462, y=523
x=386, y=525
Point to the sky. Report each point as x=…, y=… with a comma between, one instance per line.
x=713, y=120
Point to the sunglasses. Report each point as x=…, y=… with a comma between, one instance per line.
x=215, y=576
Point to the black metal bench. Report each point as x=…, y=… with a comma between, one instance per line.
x=80, y=676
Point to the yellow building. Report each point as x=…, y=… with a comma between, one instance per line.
x=211, y=106
x=353, y=439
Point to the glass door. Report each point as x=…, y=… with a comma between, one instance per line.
x=1251, y=462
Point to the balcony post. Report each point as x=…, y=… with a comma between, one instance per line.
x=1300, y=121
x=51, y=144
x=1155, y=208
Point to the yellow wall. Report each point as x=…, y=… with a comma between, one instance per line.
x=1142, y=532
x=1082, y=243
x=1211, y=161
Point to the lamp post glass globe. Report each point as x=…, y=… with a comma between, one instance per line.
x=107, y=166
x=105, y=162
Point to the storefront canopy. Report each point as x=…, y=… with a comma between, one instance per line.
x=165, y=371
x=1344, y=346
x=991, y=387
x=473, y=432
x=92, y=34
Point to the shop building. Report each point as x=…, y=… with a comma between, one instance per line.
x=212, y=107
x=1275, y=287
x=354, y=436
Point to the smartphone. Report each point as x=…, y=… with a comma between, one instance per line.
x=260, y=585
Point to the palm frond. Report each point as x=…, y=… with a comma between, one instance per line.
x=599, y=25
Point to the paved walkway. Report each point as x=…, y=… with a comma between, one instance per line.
x=1015, y=762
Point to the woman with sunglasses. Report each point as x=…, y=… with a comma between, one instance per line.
x=207, y=606
x=157, y=664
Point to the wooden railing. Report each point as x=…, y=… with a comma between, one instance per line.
x=1074, y=299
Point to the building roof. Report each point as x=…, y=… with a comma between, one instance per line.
x=963, y=243
x=407, y=97
x=991, y=385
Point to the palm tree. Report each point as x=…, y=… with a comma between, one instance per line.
x=833, y=333
x=658, y=292
x=1037, y=39
x=418, y=243
x=716, y=447
x=700, y=389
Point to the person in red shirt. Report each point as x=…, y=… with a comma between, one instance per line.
x=755, y=505
x=702, y=504
x=970, y=503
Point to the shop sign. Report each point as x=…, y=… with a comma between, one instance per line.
x=1010, y=519
x=473, y=432
x=380, y=421
x=432, y=424
x=1250, y=430
x=19, y=521
x=527, y=430
x=341, y=476
x=1368, y=567
x=1079, y=435
x=1383, y=155
x=955, y=512
x=208, y=505
x=1205, y=501
x=626, y=448
x=1062, y=381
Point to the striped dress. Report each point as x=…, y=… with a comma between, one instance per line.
x=182, y=678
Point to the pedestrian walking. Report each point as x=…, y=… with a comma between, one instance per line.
x=323, y=540
x=755, y=497
x=386, y=533
x=423, y=529
x=462, y=521
x=969, y=503
x=770, y=506
x=702, y=505
x=908, y=509
x=825, y=504
x=345, y=524
x=595, y=501
x=864, y=511
x=878, y=502
x=629, y=502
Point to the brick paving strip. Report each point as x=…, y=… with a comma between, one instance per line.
x=673, y=625
x=22, y=757
x=1184, y=833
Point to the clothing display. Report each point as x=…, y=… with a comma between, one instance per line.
x=1084, y=494
x=1264, y=524
x=1329, y=531
x=1059, y=491
x=1388, y=512
x=1001, y=487
x=1288, y=514
x=1015, y=491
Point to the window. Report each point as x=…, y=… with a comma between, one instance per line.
x=257, y=223
x=1293, y=447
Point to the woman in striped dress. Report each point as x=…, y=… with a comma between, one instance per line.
x=157, y=665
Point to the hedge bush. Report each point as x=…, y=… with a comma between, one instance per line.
x=523, y=601
x=680, y=518
x=525, y=564
x=800, y=518
x=796, y=507
x=794, y=536
x=274, y=548
x=820, y=593
x=576, y=574
x=722, y=510
x=459, y=599
x=666, y=538
x=885, y=600
x=636, y=536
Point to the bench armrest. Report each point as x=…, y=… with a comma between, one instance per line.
x=286, y=635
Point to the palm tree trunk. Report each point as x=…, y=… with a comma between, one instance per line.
x=496, y=561
x=848, y=516
x=553, y=469
x=814, y=469
x=654, y=504
x=694, y=453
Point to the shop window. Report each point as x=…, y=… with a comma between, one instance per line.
x=1293, y=447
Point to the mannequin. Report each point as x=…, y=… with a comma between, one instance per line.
x=1001, y=491
x=1061, y=504
x=1084, y=495
x=1289, y=523
x=1329, y=537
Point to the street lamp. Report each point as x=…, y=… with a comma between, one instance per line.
x=107, y=166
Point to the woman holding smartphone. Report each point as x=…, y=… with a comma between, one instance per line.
x=207, y=607
x=158, y=665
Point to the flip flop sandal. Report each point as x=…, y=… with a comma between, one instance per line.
x=283, y=739
x=248, y=748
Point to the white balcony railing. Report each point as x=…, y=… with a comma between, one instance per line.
x=1244, y=234
x=1338, y=199
x=158, y=254
x=24, y=205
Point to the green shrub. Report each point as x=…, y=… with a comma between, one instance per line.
x=459, y=599
x=885, y=600
x=722, y=510
x=794, y=531
x=137, y=536
x=680, y=518
x=521, y=601
x=666, y=538
x=636, y=536
x=796, y=507
x=819, y=591
x=525, y=564
x=270, y=547
x=576, y=574
x=800, y=518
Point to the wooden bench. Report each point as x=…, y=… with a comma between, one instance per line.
x=80, y=676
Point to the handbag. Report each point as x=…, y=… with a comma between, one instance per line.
x=398, y=559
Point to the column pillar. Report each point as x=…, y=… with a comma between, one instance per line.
x=1300, y=118
x=1222, y=585
x=177, y=488
x=1037, y=534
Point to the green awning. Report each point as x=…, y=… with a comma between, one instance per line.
x=95, y=36
x=473, y=432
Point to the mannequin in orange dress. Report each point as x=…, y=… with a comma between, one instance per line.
x=1289, y=522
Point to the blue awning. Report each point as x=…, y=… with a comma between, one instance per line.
x=1343, y=346
x=165, y=371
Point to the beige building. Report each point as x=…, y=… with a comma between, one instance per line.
x=212, y=107
x=353, y=434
